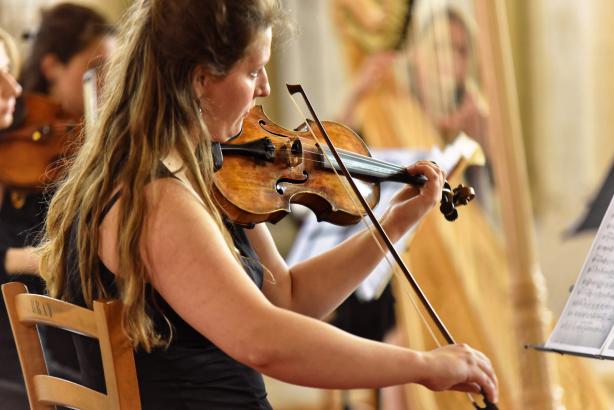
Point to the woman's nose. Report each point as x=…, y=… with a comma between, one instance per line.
x=263, y=89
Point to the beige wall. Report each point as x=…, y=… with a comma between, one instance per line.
x=603, y=86
x=312, y=58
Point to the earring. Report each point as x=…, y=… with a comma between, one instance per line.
x=199, y=102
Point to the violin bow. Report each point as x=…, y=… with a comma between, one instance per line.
x=298, y=89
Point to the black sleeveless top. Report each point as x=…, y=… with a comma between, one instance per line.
x=192, y=373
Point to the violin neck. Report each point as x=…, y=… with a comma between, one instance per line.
x=369, y=168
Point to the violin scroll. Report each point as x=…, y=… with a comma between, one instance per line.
x=451, y=198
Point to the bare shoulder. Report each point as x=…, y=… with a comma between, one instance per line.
x=171, y=192
x=170, y=204
x=177, y=222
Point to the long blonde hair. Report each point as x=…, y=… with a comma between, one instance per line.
x=148, y=108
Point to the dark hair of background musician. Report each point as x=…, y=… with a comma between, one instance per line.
x=65, y=30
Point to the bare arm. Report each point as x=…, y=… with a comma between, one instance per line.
x=317, y=286
x=21, y=260
x=17, y=260
x=191, y=267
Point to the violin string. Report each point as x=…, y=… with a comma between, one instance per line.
x=349, y=154
x=391, y=170
x=344, y=154
x=315, y=161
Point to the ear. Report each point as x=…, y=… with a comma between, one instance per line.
x=198, y=80
x=51, y=67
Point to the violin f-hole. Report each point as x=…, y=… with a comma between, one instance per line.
x=281, y=189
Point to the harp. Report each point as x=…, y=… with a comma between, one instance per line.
x=497, y=319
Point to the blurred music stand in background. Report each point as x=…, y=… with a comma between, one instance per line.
x=596, y=208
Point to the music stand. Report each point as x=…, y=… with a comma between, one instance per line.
x=596, y=208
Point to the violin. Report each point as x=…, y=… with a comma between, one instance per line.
x=33, y=148
x=265, y=168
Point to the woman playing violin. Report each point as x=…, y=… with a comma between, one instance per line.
x=11, y=389
x=209, y=305
x=70, y=38
x=9, y=87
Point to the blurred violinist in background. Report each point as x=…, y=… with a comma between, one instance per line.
x=70, y=40
x=9, y=88
x=11, y=388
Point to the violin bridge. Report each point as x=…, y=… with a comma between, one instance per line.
x=292, y=151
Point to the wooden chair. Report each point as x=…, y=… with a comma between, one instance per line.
x=25, y=310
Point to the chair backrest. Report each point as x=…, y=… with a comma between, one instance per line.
x=26, y=310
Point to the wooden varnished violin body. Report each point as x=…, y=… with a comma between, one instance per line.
x=31, y=151
x=267, y=167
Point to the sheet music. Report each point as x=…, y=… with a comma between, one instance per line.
x=315, y=238
x=588, y=318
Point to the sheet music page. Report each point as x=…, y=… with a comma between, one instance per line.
x=586, y=322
